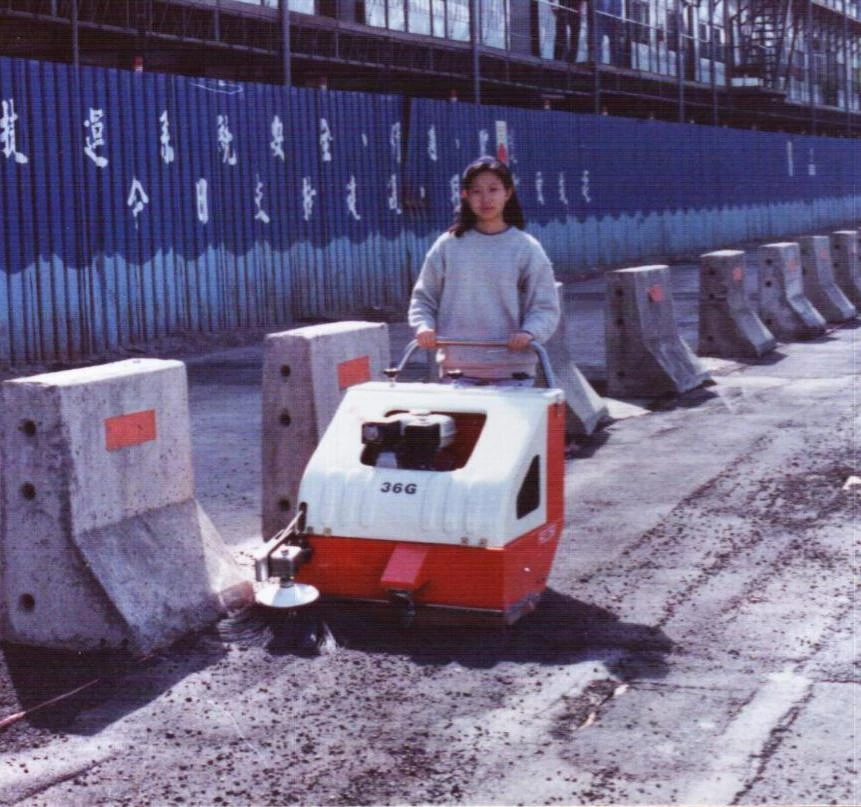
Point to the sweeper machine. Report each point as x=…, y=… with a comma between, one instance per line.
x=429, y=498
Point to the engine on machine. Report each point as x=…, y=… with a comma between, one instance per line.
x=417, y=440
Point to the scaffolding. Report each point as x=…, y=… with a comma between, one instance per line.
x=793, y=65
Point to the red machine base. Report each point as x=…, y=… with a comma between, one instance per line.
x=505, y=581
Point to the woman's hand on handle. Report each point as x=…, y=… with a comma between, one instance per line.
x=426, y=339
x=519, y=340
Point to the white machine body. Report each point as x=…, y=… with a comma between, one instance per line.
x=473, y=505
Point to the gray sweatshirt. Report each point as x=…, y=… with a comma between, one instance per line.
x=485, y=287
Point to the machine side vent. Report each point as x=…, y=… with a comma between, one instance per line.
x=529, y=495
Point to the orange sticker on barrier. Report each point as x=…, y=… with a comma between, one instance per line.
x=130, y=430
x=656, y=294
x=354, y=371
x=737, y=274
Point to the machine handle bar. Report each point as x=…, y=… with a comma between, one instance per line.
x=538, y=348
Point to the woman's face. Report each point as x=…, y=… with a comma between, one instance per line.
x=487, y=197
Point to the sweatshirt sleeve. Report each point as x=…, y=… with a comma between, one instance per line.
x=539, y=298
x=427, y=292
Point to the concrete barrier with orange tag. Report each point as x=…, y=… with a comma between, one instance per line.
x=305, y=374
x=820, y=286
x=102, y=543
x=729, y=327
x=787, y=313
x=846, y=257
x=646, y=356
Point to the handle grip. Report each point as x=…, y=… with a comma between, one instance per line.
x=411, y=348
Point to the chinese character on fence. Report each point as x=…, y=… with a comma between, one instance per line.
x=483, y=140
x=277, y=144
x=584, y=187
x=308, y=194
x=352, y=198
x=95, y=137
x=563, y=194
x=539, y=187
x=432, y=149
x=394, y=196
x=326, y=138
x=202, y=196
x=395, y=141
x=454, y=186
x=261, y=214
x=137, y=199
x=7, y=133
x=225, y=141
x=167, y=152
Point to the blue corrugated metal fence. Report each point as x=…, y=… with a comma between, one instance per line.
x=137, y=205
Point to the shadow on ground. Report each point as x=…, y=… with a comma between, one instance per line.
x=53, y=687
x=561, y=630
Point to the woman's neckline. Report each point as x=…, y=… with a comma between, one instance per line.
x=495, y=232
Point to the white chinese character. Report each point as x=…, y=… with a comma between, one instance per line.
x=454, y=185
x=167, y=153
x=811, y=164
x=483, y=140
x=395, y=141
x=7, y=133
x=261, y=214
x=277, y=144
x=539, y=187
x=584, y=187
x=138, y=198
x=394, y=196
x=432, y=151
x=326, y=138
x=225, y=139
x=308, y=194
x=352, y=198
x=201, y=187
x=563, y=195
x=95, y=137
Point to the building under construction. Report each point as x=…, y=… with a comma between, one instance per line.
x=785, y=65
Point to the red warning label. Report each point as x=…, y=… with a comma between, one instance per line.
x=354, y=371
x=656, y=294
x=130, y=430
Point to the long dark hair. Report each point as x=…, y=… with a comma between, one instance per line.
x=512, y=213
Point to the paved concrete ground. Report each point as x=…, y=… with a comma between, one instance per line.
x=697, y=645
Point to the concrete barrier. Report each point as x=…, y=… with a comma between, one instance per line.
x=102, y=543
x=787, y=313
x=729, y=327
x=586, y=408
x=645, y=354
x=305, y=372
x=846, y=257
x=818, y=280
